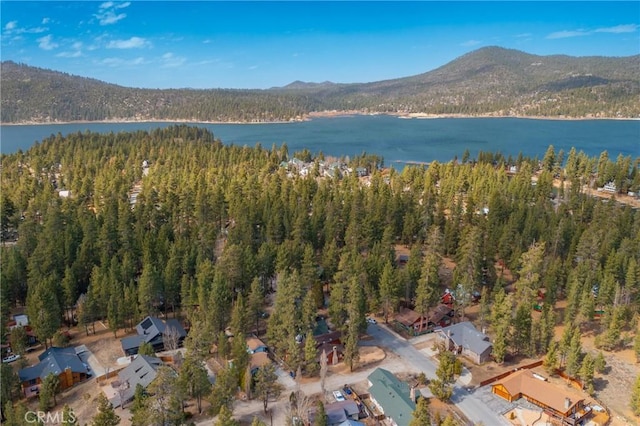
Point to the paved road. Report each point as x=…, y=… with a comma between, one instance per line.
x=409, y=359
x=471, y=405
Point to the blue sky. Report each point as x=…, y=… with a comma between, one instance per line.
x=203, y=44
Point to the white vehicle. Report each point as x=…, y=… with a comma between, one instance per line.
x=338, y=395
x=11, y=358
x=371, y=320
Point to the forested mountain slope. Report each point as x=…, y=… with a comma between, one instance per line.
x=489, y=81
x=159, y=254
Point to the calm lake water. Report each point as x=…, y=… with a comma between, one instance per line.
x=397, y=140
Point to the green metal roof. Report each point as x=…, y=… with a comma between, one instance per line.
x=392, y=395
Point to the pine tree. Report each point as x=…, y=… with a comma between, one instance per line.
x=600, y=364
x=529, y=273
x=225, y=418
x=428, y=289
x=195, y=379
x=145, y=348
x=311, y=355
x=106, y=415
x=521, y=335
x=551, y=358
x=388, y=291
x=267, y=386
x=586, y=373
x=69, y=417
x=574, y=355
x=421, y=415
x=139, y=408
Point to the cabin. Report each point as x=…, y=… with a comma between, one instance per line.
x=255, y=345
x=334, y=353
x=464, y=339
x=412, y=322
x=62, y=362
x=441, y=316
x=152, y=330
x=394, y=398
x=610, y=187
x=142, y=371
x=564, y=407
x=257, y=361
x=337, y=413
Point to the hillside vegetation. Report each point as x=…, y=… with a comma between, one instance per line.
x=488, y=81
x=314, y=241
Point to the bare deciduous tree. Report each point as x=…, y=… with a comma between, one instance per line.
x=170, y=338
x=323, y=371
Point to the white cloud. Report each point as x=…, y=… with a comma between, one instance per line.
x=524, y=35
x=47, y=43
x=628, y=28
x=253, y=67
x=76, y=51
x=70, y=54
x=45, y=21
x=568, y=34
x=470, y=43
x=107, y=12
x=617, y=29
x=12, y=28
x=119, y=62
x=169, y=60
x=132, y=43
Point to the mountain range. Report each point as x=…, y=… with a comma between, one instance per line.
x=491, y=81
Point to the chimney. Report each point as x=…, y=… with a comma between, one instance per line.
x=567, y=403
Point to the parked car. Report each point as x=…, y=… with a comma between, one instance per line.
x=347, y=390
x=11, y=358
x=338, y=396
x=371, y=320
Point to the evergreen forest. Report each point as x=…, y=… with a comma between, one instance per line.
x=217, y=232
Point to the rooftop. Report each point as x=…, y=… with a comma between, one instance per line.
x=393, y=395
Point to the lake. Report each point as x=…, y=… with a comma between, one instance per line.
x=397, y=140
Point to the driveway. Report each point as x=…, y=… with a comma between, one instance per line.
x=87, y=357
x=474, y=408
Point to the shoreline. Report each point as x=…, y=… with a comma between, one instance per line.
x=320, y=114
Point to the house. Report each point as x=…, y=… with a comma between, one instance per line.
x=20, y=320
x=63, y=362
x=557, y=403
x=392, y=397
x=258, y=360
x=338, y=413
x=447, y=298
x=255, y=345
x=412, y=322
x=153, y=330
x=351, y=423
x=610, y=187
x=332, y=337
x=463, y=338
x=142, y=370
x=441, y=316
x=333, y=352
x=361, y=172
